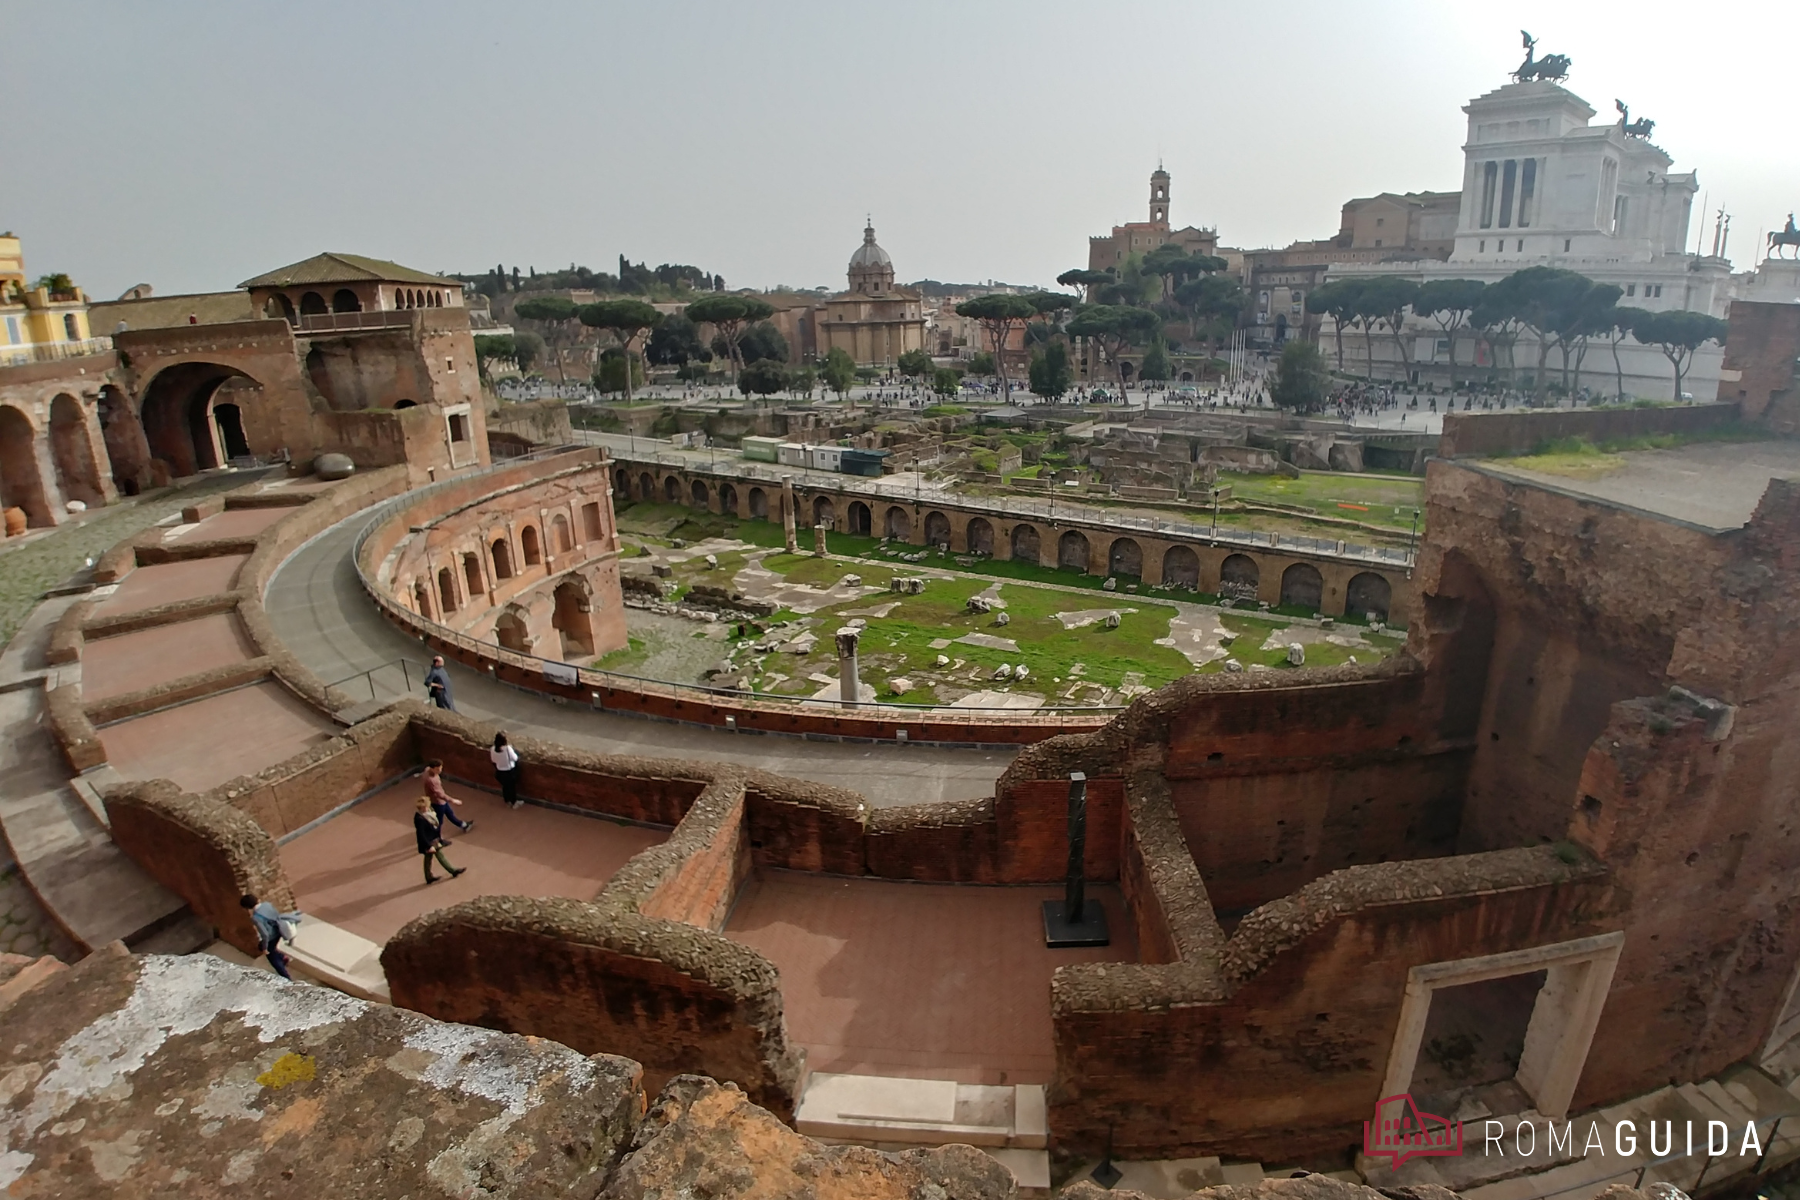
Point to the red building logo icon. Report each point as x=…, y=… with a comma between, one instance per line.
x=1400, y=1131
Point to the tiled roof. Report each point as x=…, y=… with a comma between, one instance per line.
x=343, y=268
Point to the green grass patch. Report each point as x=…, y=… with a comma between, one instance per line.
x=1374, y=499
x=626, y=658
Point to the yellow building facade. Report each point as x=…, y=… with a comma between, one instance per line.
x=36, y=324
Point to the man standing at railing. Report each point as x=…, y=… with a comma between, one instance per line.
x=437, y=684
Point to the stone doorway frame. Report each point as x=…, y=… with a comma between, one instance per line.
x=1578, y=976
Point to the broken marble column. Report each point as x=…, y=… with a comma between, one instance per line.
x=787, y=514
x=818, y=541
x=849, y=687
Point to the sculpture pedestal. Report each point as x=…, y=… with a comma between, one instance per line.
x=1060, y=934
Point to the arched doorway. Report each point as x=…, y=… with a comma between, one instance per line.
x=1125, y=558
x=1302, y=587
x=698, y=491
x=759, y=504
x=861, y=521
x=1181, y=568
x=21, y=482
x=178, y=418
x=345, y=301
x=279, y=305
x=312, y=304
x=1239, y=577
x=502, y=559
x=672, y=490
x=511, y=631
x=728, y=499
x=446, y=590
x=1368, y=595
x=560, y=537
x=646, y=486
x=1072, y=551
x=127, y=454
x=937, y=530
x=422, y=598
x=573, y=618
x=1026, y=545
x=897, y=525
x=229, y=419
x=473, y=585
x=77, y=473
x=823, y=512
x=1125, y=372
x=530, y=548
x=980, y=537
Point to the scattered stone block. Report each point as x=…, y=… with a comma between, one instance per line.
x=662, y=570
x=979, y=604
x=1112, y=620
x=1111, y=585
x=942, y=661
x=712, y=562
x=1263, y=605
x=1233, y=665
x=333, y=466
x=851, y=581
x=1021, y=671
x=1326, y=623
x=1296, y=654
x=1003, y=671
x=1131, y=587
x=899, y=686
x=678, y=543
x=1003, y=619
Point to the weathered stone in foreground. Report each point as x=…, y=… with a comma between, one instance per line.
x=333, y=466
x=706, y=1139
x=127, y=1076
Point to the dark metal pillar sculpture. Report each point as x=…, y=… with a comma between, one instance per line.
x=1072, y=921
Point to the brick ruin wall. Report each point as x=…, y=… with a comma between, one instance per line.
x=1498, y=435
x=1764, y=351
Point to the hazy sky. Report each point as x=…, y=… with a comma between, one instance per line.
x=192, y=145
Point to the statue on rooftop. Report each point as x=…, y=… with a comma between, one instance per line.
x=1785, y=237
x=1551, y=66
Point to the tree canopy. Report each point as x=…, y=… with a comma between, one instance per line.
x=674, y=342
x=1678, y=334
x=557, y=315
x=915, y=364
x=1112, y=327
x=982, y=364
x=945, y=381
x=730, y=314
x=998, y=314
x=763, y=376
x=760, y=341
x=1449, y=302
x=1051, y=374
x=1301, y=377
x=838, y=371
x=627, y=320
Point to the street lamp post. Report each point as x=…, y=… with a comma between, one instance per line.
x=1413, y=541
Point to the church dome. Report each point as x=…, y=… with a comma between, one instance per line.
x=869, y=254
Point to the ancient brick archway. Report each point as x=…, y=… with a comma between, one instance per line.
x=1026, y=544
x=1072, y=551
x=897, y=524
x=1368, y=595
x=1239, y=577
x=728, y=499
x=861, y=521
x=937, y=529
x=512, y=629
x=72, y=449
x=178, y=415
x=1302, y=587
x=1181, y=568
x=21, y=475
x=1125, y=558
x=980, y=537
x=572, y=617
x=699, y=493
x=646, y=486
x=672, y=490
x=759, y=504
x=823, y=512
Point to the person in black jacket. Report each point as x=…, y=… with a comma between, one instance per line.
x=431, y=842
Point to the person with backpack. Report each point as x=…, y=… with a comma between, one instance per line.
x=272, y=928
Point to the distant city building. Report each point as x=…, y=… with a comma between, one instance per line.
x=1138, y=238
x=874, y=320
x=37, y=324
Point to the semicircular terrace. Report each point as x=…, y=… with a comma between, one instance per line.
x=1275, y=853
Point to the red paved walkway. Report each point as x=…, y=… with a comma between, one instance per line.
x=164, y=583
x=203, y=744
x=931, y=981
x=360, y=870
x=234, y=522
x=115, y=665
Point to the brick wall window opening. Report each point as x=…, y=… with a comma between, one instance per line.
x=459, y=427
x=71, y=328
x=530, y=547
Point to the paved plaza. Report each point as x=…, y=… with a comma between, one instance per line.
x=1713, y=484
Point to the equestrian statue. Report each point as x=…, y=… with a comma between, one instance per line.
x=1551, y=66
x=1785, y=237
x=1639, y=128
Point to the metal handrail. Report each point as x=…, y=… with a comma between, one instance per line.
x=1345, y=551
x=594, y=677
x=369, y=676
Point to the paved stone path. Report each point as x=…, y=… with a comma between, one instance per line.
x=319, y=610
x=24, y=926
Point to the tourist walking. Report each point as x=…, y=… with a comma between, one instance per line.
x=437, y=684
x=506, y=769
x=272, y=928
x=431, y=842
x=440, y=799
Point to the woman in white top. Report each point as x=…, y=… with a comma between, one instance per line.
x=506, y=769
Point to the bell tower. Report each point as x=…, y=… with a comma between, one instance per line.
x=1159, y=198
